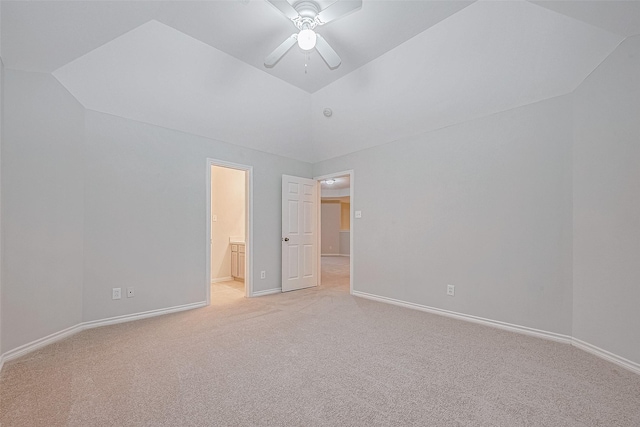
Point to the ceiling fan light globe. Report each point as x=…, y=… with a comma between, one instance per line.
x=307, y=39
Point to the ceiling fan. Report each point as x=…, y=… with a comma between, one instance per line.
x=306, y=15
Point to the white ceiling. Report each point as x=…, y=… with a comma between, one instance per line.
x=156, y=74
x=489, y=57
x=408, y=66
x=339, y=190
x=340, y=183
x=47, y=35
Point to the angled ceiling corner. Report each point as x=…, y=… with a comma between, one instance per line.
x=159, y=75
x=616, y=16
x=487, y=58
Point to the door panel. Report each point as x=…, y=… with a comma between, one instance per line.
x=299, y=233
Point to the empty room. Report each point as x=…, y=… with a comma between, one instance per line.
x=320, y=213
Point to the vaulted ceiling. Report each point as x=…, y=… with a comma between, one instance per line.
x=407, y=66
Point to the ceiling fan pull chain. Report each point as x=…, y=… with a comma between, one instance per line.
x=306, y=60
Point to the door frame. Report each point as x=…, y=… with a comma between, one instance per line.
x=248, y=267
x=352, y=221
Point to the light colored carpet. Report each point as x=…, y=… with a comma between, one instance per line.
x=316, y=357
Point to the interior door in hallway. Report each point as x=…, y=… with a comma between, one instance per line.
x=299, y=233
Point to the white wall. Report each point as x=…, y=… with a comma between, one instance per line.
x=91, y=201
x=1, y=119
x=345, y=241
x=532, y=213
x=228, y=204
x=486, y=206
x=42, y=208
x=606, y=203
x=146, y=219
x=330, y=228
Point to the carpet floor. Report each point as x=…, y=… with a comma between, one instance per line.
x=314, y=357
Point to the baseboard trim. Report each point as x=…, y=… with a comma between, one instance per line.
x=221, y=279
x=41, y=342
x=330, y=255
x=267, y=292
x=143, y=315
x=57, y=336
x=566, y=339
x=606, y=355
x=582, y=345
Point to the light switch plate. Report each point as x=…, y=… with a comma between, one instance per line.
x=358, y=214
x=214, y=218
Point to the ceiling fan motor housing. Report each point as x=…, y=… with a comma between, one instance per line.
x=307, y=8
x=307, y=15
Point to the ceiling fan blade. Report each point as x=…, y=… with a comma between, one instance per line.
x=328, y=54
x=339, y=9
x=284, y=7
x=279, y=52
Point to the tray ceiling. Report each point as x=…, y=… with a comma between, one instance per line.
x=408, y=66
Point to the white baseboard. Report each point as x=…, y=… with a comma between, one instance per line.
x=606, y=355
x=221, y=279
x=142, y=315
x=57, y=336
x=267, y=292
x=330, y=255
x=565, y=339
x=41, y=342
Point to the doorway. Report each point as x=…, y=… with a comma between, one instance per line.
x=228, y=230
x=336, y=229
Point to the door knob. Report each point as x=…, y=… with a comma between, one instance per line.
x=286, y=239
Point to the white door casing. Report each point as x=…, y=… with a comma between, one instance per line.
x=299, y=233
x=248, y=268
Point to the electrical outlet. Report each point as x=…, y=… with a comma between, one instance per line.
x=130, y=293
x=263, y=274
x=451, y=290
x=116, y=293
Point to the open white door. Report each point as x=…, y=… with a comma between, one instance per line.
x=299, y=233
